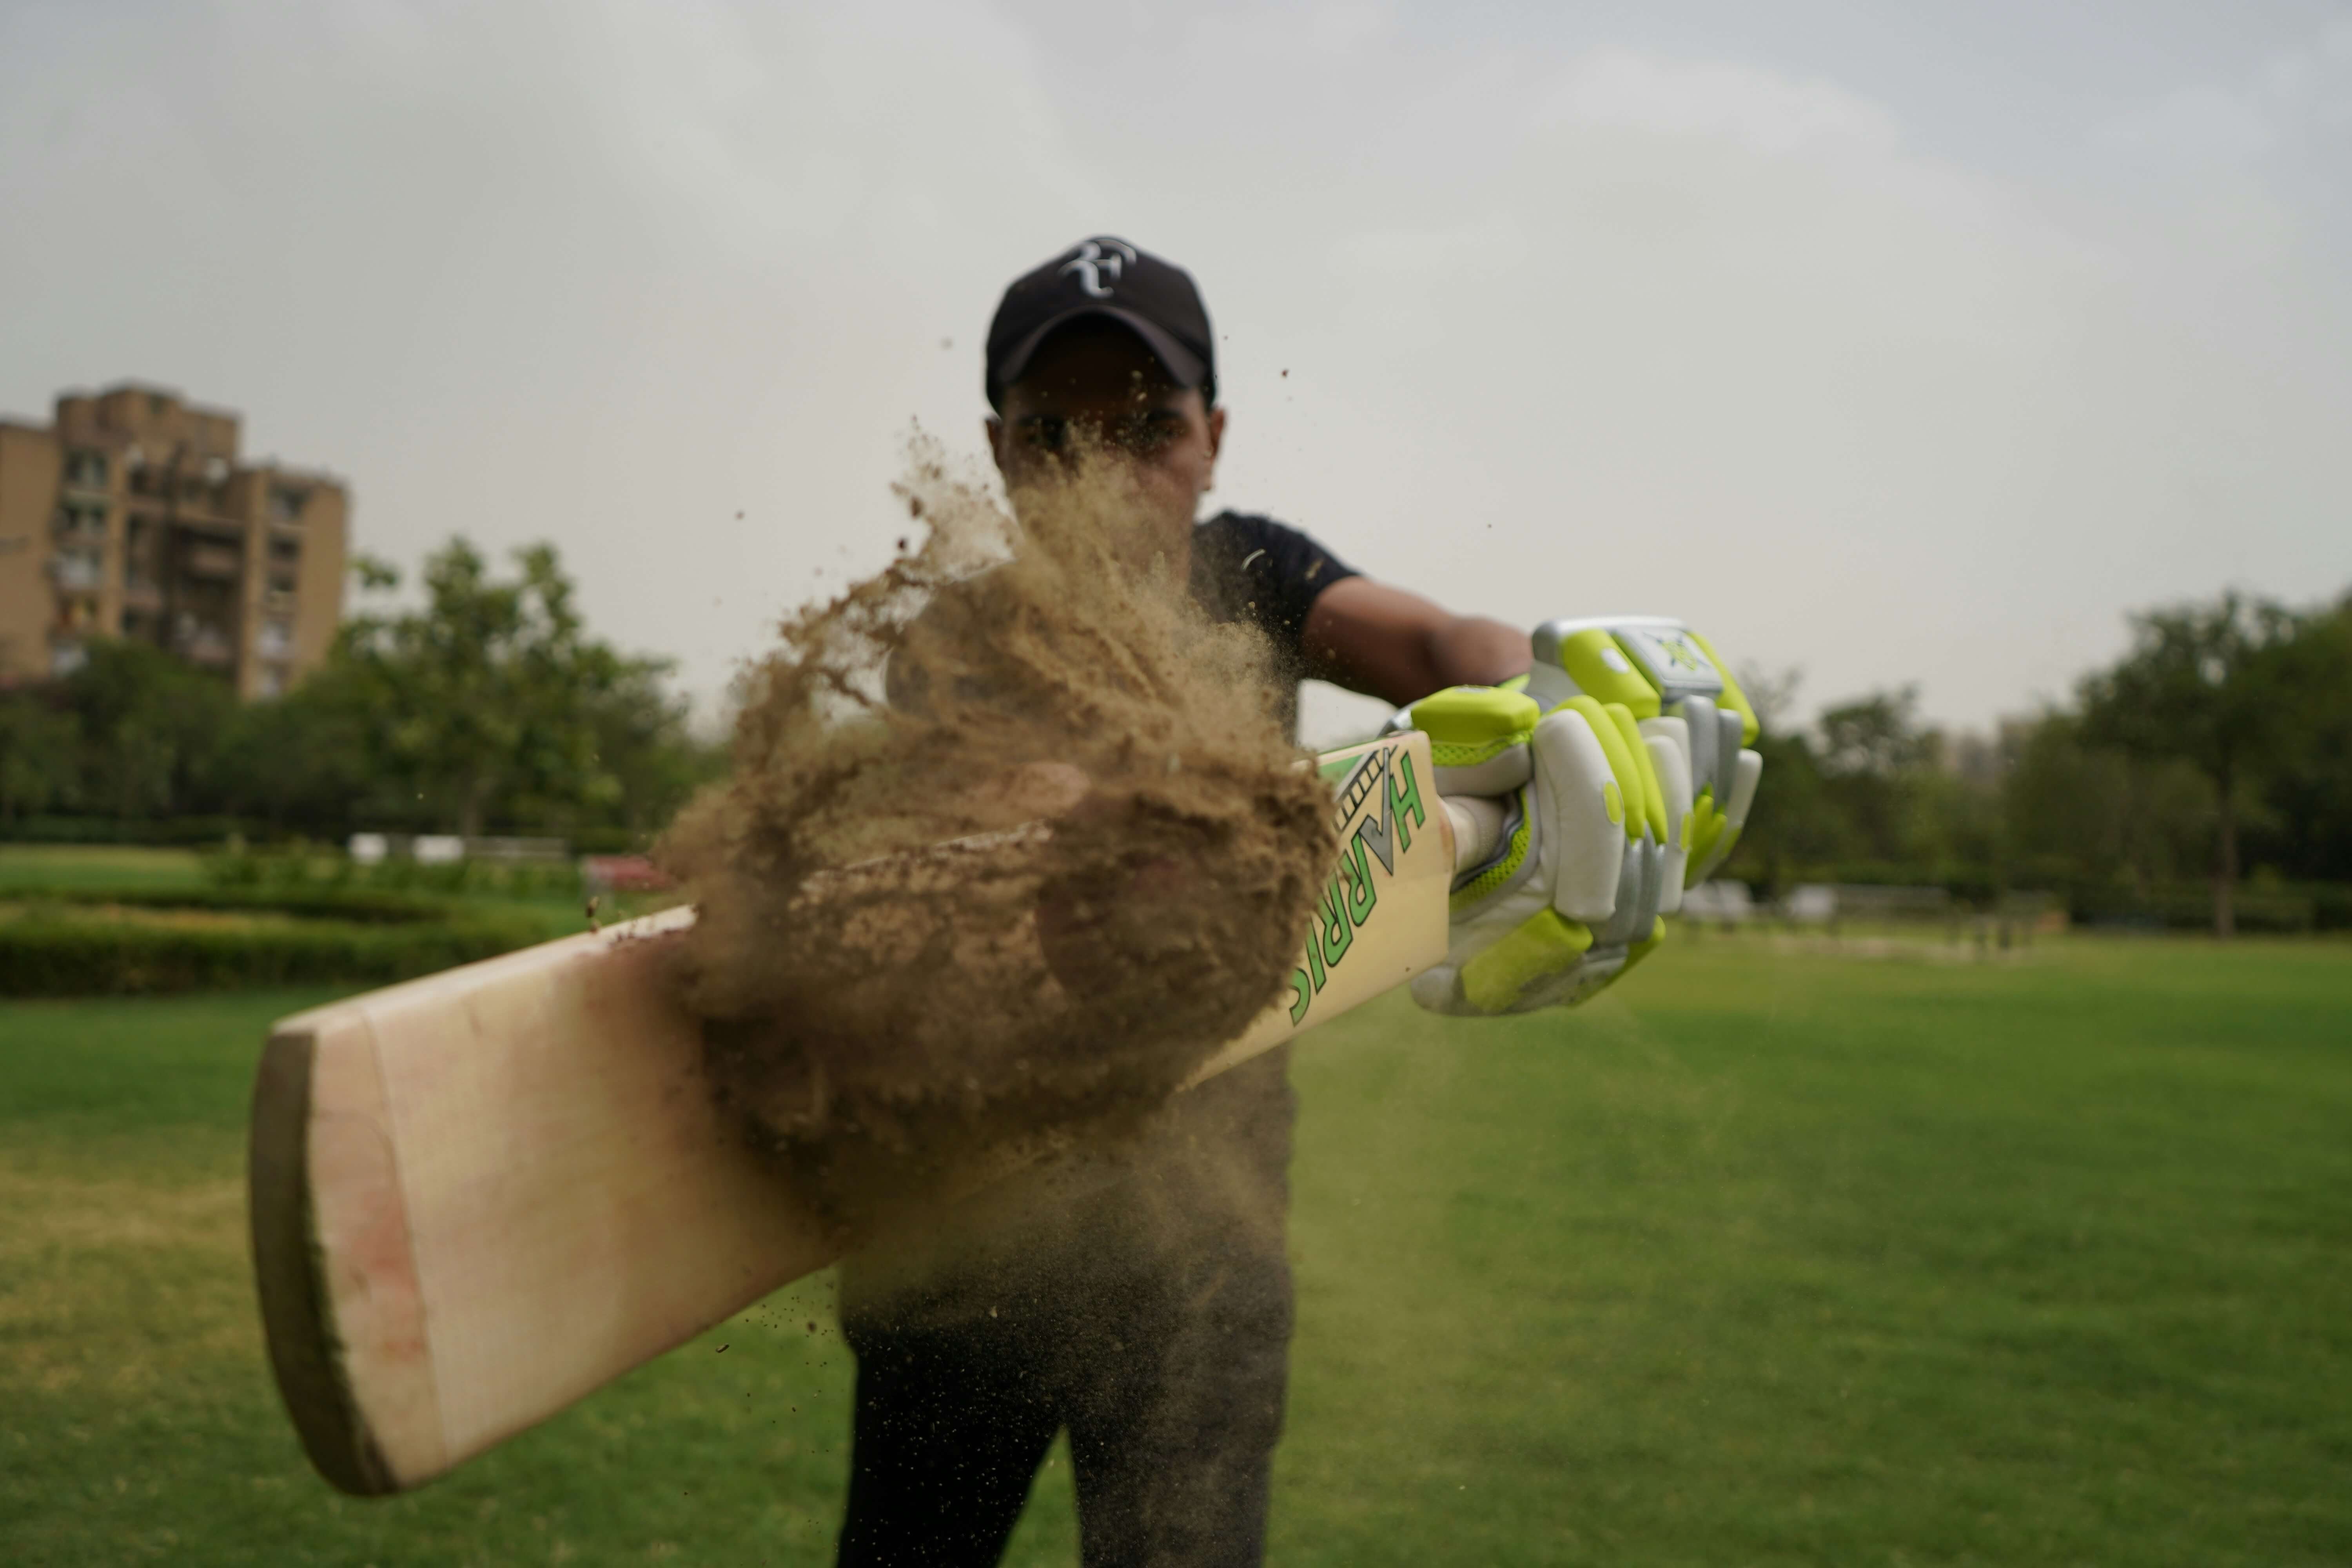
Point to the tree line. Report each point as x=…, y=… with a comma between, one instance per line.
x=488, y=707
x=2217, y=749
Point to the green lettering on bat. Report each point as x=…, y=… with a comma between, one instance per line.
x=1385, y=776
x=1358, y=872
x=1404, y=796
x=1338, y=935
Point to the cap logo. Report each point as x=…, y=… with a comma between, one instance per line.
x=1092, y=262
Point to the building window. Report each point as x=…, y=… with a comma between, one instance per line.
x=87, y=470
x=77, y=569
x=275, y=640
x=273, y=681
x=286, y=504
x=79, y=525
x=64, y=658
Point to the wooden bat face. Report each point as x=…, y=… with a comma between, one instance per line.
x=480, y=1196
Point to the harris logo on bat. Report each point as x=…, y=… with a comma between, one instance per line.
x=1379, y=806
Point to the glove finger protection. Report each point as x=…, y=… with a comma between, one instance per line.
x=1681, y=696
x=1569, y=899
x=1669, y=748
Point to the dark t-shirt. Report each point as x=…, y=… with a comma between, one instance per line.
x=1267, y=574
x=1204, y=1186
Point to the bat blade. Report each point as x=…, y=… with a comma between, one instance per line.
x=480, y=1196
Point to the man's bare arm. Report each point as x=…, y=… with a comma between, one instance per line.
x=1399, y=647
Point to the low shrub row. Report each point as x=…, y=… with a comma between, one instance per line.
x=301, y=866
x=2320, y=907
x=365, y=906
x=2263, y=905
x=171, y=832
x=194, y=832
x=50, y=954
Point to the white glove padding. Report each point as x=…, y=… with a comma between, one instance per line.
x=1571, y=896
x=1693, y=718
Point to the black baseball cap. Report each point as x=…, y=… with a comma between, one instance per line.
x=1104, y=277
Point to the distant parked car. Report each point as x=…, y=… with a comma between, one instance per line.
x=623, y=874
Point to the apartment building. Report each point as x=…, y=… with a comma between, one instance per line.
x=129, y=515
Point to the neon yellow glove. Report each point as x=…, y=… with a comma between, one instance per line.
x=1569, y=897
x=1693, y=718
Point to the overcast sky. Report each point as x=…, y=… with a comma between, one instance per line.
x=1898, y=342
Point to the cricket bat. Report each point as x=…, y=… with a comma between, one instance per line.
x=479, y=1196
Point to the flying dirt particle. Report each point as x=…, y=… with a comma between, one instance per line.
x=898, y=964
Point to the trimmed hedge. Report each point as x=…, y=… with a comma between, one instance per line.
x=171, y=832
x=44, y=955
x=365, y=906
x=361, y=936
x=2256, y=909
x=2261, y=907
x=299, y=870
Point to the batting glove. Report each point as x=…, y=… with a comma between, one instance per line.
x=1569, y=897
x=1693, y=719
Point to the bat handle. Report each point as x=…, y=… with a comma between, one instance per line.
x=1477, y=825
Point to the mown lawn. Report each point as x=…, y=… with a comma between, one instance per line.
x=1772, y=1258
x=97, y=866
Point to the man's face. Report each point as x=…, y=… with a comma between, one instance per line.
x=1094, y=391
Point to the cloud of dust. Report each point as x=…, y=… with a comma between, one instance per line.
x=897, y=963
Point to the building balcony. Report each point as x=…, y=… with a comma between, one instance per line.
x=142, y=594
x=76, y=572
x=219, y=562
x=206, y=646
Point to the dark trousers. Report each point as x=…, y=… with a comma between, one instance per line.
x=1153, y=1325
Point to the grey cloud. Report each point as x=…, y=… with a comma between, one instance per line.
x=1861, y=346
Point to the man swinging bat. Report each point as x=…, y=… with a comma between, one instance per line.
x=1140, y=1299
x=479, y=1196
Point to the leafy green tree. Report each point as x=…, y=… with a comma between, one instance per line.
x=2310, y=790
x=1874, y=755
x=2203, y=684
x=309, y=761
x=39, y=744
x=492, y=703
x=2076, y=812
x=152, y=729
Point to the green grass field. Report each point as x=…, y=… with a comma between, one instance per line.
x=1762, y=1259
x=96, y=867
